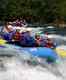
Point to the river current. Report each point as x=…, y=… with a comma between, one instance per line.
x=15, y=68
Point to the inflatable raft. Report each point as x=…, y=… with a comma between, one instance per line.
x=61, y=50
x=40, y=52
x=2, y=42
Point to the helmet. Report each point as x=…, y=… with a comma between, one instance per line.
x=28, y=29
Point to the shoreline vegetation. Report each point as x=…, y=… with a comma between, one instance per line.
x=34, y=11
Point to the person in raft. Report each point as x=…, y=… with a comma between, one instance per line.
x=50, y=44
x=26, y=39
x=37, y=40
x=16, y=36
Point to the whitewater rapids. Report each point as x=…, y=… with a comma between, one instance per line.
x=15, y=69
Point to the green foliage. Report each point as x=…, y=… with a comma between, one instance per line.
x=40, y=10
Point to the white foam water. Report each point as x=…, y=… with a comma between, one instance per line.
x=15, y=69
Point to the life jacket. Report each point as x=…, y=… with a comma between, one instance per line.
x=49, y=45
x=17, y=36
x=27, y=40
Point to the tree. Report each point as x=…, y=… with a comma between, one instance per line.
x=43, y=11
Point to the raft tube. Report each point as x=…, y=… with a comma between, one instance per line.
x=40, y=52
x=61, y=50
x=2, y=42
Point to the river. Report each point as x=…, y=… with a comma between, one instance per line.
x=14, y=68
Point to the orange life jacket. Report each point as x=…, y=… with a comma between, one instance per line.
x=17, y=36
x=49, y=45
